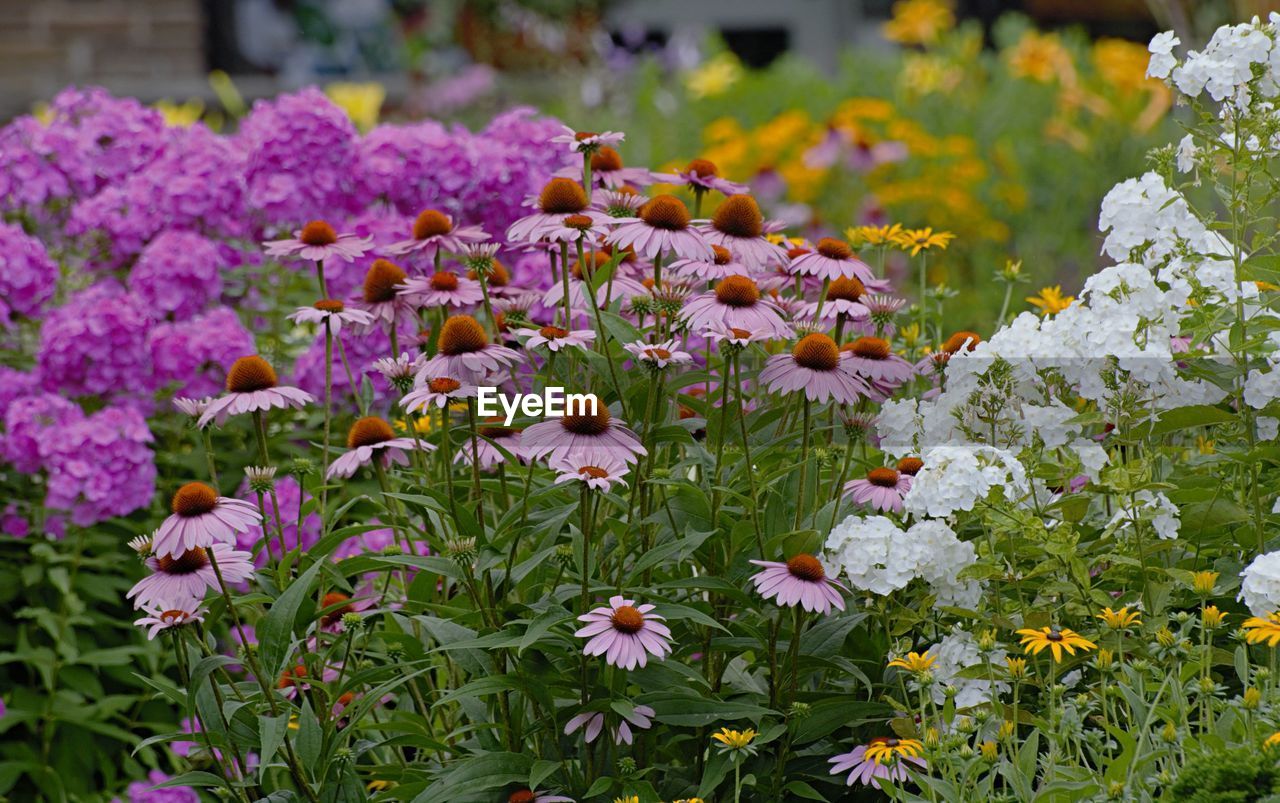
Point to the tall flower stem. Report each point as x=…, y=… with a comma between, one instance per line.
x=588, y=268
x=724, y=413
x=564, y=284
x=260, y=427
x=475, y=460
x=328, y=418
x=324, y=288
x=804, y=464
x=746, y=452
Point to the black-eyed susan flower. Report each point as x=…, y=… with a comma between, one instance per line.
x=1273, y=741
x=1050, y=300
x=1121, y=619
x=1203, y=582
x=916, y=240
x=1211, y=617
x=1258, y=630
x=914, y=662
x=884, y=757
x=1056, y=639
x=733, y=741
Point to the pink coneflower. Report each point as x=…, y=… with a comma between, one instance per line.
x=587, y=141
x=438, y=392
x=576, y=228
x=601, y=475
x=873, y=359
x=488, y=447
x=585, y=437
x=738, y=338
x=480, y=258
x=815, y=367
x=553, y=338
x=844, y=297
x=530, y=796
x=251, y=387
x=802, y=580
x=192, y=407
x=882, y=489
x=336, y=605
x=833, y=259
x=621, y=287
x=201, y=518
x=466, y=353
x=561, y=198
x=434, y=232
x=662, y=228
x=441, y=289
x=869, y=771
x=608, y=171
x=738, y=226
x=702, y=175
x=621, y=732
x=658, y=355
x=380, y=298
x=736, y=303
x=334, y=312
x=317, y=241
x=623, y=202
x=715, y=269
x=959, y=342
x=369, y=438
x=398, y=370
x=183, y=580
x=625, y=633
x=158, y=619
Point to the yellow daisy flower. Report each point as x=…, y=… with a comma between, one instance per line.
x=919, y=22
x=874, y=235
x=1211, y=617
x=1273, y=741
x=1057, y=639
x=361, y=101
x=1257, y=630
x=1203, y=582
x=1050, y=300
x=1119, y=620
x=914, y=662
x=884, y=750
x=917, y=240
x=734, y=740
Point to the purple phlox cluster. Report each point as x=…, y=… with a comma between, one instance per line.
x=28, y=277
x=177, y=275
x=96, y=344
x=101, y=466
x=193, y=355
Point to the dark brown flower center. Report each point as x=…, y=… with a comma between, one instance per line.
x=369, y=431
x=806, y=567
x=317, y=232
x=498, y=275
x=817, y=351
x=553, y=332
x=431, y=223
x=290, y=677
x=737, y=291
x=845, y=288
x=1054, y=635
x=330, y=305
x=657, y=353
x=606, y=160
x=598, y=260
x=493, y=433
x=831, y=248
x=595, y=472
x=739, y=216
x=562, y=196
x=723, y=257
x=522, y=796
x=381, y=281
x=251, y=373
x=580, y=222
x=910, y=466
x=443, y=385
x=870, y=348
x=193, y=560
x=627, y=619
x=665, y=212
x=884, y=477
x=194, y=499
x=703, y=168
x=957, y=342
x=588, y=424
x=444, y=281
x=331, y=599
x=462, y=334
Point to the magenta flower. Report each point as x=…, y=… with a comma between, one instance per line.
x=252, y=387
x=658, y=355
x=621, y=732
x=607, y=171
x=869, y=771
x=738, y=226
x=183, y=580
x=333, y=312
x=381, y=299
x=802, y=581
x=873, y=359
x=559, y=200
x=487, y=449
x=466, y=353
x=587, y=229
x=439, y=391
x=625, y=634
x=736, y=303
x=882, y=489
x=844, y=297
x=815, y=367
x=724, y=264
x=621, y=287
x=317, y=241
x=553, y=338
x=441, y=289
x=157, y=619
x=702, y=175
x=587, y=141
x=434, y=232
x=201, y=518
x=601, y=477
x=662, y=228
x=833, y=259
x=369, y=438
x=583, y=437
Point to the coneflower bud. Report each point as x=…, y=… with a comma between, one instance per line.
x=301, y=467
x=462, y=551
x=261, y=478
x=626, y=766
x=142, y=545
x=351, y=621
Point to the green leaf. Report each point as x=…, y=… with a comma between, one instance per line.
x=275, y=631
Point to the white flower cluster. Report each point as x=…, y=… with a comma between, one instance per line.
x=877, y=556
x=1153, y=508
x=956, y=477
x=1260, y=586
x=1225, y=68
x=956, y=652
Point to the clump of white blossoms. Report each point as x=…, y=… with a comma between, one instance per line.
x=956, y=477
x=878, y=556
x=956, y=652
x=1260, y=584
x=1152, y=508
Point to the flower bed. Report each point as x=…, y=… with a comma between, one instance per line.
x=791, y=535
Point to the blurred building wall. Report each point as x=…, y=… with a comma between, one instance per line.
x=148, y=48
